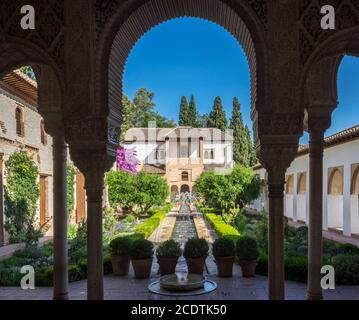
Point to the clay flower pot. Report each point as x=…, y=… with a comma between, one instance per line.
x=248, y=268
x=142, y=268
x=196, y=265
x=120, y=265
x=224, y=266
x=167, y=265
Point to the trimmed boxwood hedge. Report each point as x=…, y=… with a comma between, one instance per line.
x=222, y=229
x=148, y=226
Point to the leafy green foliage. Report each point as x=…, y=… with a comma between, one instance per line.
x=21, y=195
x=136, y=193
x=169, y=249
x=217, y=118
x=223, y=192
x=141, y=249
x=77, y=246
x=141, y=111
x=346, y=268
x=196, y=248
x=28, y=71
x=70, y=189
x=247, y=248
x=120, y=246
x=222, y=229
x=150, y=224
x=223, y=247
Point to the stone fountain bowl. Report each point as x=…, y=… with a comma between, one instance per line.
x=187, y=282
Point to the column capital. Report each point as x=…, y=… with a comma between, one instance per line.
x=318, y=118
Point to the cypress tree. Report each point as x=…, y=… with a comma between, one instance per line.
x=184, y=112
x=217, y=117
x=240, y=148
x=192, y=113
x=252, y=155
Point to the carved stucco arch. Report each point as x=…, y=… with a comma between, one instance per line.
x=127, y=26
x=320, y=73
x=50, y=85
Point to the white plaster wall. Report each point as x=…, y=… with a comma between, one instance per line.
x=288, y=206
x=146, y=151
x=301, y=207
x=335, y=211
x=220, y=155
x=354, y=201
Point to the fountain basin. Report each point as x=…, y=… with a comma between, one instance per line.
x=182, y=282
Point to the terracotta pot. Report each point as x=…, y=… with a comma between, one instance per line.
x=248, y=268
x=167, y=265
x=120, y=265
x=224, y=266
x=196, y=265
x=142, y=268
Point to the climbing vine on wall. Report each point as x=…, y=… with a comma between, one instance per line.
x=70, y=189
x=21, y=197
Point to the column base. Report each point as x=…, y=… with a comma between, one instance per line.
x=314, y=296
x=63, y=296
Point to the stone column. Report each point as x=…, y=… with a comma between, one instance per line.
x=94, y=185
x=316, y=147
x=276, y=181
x=276, y=158
x=60, y=218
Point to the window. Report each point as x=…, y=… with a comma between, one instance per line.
x=159, y=154
x=43, y=133
x=184, y=176
x=19, y=122
x=209, y=154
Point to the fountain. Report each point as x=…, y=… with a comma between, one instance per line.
x=183, y=283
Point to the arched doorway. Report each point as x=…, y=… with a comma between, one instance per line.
x=335, y=199
x=185, y=188
x=354, y=200
x=289, y=196
x=174, y=192
x=302, y=197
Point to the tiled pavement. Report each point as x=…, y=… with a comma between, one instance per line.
x=236, y=288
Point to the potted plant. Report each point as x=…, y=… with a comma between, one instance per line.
x=247, y=252
x=196, y=252
x=167, y=254
x=141, y=254
x=223, y=252
x=119, y=248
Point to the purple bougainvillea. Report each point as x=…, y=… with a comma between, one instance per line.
x=127, y=160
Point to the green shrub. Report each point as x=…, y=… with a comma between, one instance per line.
x=44, y=276
x=149, y=225
x=210, y=210
x=261, y=232
x=247, y=248
x=107, y=264
x=141, y=249
x=130, y=218
x=223, y=247
x=222, y=229
x=120, y=246
x=28, y=253
x=346, y=268
x=196, y=248
x=10, y=276
x=169, y=249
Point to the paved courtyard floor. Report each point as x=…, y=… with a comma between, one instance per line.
x=236, y=288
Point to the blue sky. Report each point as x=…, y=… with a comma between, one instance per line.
x=192, y=56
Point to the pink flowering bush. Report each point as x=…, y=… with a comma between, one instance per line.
x=126, y=160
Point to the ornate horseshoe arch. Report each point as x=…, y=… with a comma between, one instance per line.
x=128, y=25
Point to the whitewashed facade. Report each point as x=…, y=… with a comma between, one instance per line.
x=340, y=184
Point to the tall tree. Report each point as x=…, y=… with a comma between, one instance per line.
x=240, y=140
x=202, y=120
x=142, y=111
x=217, y=117
x=127, y=108
x=184, y=112
x=192, y=113
x=252, y=156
